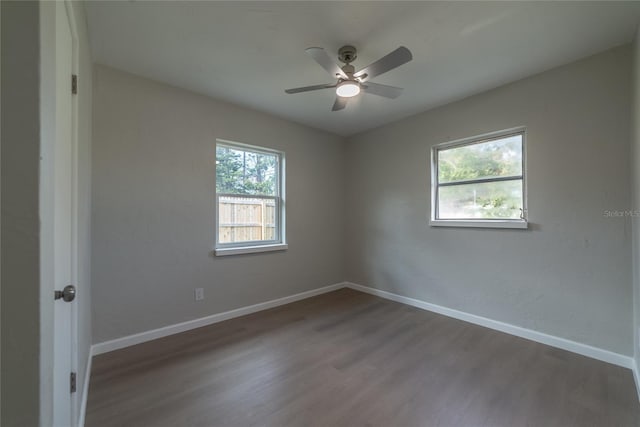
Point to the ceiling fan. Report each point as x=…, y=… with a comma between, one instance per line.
x=350, y=82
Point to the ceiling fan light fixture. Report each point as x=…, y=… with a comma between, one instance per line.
x=348, y=89
x=351, y=82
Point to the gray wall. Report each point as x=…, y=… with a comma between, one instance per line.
x=569, y=275
x=20, y=311
x=635, y=194
x=28, y=35
x=153, y=207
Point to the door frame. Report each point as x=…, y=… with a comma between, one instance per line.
x=46, y=206
x=75, y=195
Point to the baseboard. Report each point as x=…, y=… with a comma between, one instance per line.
x=118, y=343
x=636, y=379
x=85, y=389
x=553, y=341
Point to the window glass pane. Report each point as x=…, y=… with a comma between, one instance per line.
x=246, y=172
x=496, y=158
x=246, y=219
x=492, y=200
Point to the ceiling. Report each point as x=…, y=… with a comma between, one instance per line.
x=247, y=53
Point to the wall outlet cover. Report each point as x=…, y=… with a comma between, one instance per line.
x=199, y=294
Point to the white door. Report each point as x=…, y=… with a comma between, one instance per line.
x=64, y=219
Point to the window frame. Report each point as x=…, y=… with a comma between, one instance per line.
x=521, y=223
x=253, y=246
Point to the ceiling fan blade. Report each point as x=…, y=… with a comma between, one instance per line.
x=340, y=103
x=400, y=56
x=309, y=88
x=382, y=90
x=321, y=57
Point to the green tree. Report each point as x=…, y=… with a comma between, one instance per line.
x=501, y=158
x=480, y=161
x=229, y=173
x=245, y=172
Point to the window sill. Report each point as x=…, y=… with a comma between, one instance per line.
x=250, y=249
x=479, y=223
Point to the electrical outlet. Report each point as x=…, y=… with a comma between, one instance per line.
x=199, y=294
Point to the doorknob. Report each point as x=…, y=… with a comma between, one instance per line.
x=68, y=294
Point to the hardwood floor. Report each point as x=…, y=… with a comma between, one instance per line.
x=352, y=359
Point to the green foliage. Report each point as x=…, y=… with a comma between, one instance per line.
x=491, y=159
x=482, y=200
x=245, y=172
x=499, y=158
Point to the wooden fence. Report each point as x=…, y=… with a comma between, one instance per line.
x=245, y=219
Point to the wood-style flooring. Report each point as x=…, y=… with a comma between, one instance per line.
x=350, y=359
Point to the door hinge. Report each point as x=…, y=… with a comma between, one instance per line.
x=74, y=84
x=72, y=382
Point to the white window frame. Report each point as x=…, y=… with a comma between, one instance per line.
x=278, y=244
x=521, y=223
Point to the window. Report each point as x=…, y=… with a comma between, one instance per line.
x=480, y=181
x=249, y=199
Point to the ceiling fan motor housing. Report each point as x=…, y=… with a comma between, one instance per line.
x=349, y=70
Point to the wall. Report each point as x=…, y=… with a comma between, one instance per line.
x=20, y=316
x=153, y=207
x=635, y=196
x=28, y=30
x=569, y=275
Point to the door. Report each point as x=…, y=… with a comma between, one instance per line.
x=64, y=227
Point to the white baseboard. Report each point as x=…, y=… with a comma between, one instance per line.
x=636, y=379
x=553, y=341
x=118, y=343
x=85, y=389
